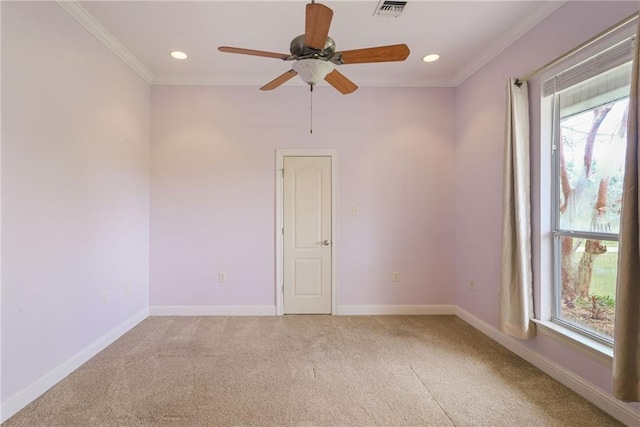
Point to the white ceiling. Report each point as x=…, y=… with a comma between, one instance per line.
x=466, y=33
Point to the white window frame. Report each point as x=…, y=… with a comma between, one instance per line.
x=544, y=273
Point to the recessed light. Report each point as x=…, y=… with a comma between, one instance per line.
x=431, y=57
x=179, y=55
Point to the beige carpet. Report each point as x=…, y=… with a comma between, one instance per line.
x=308, y=371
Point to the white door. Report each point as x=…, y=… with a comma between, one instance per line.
x=307, y=235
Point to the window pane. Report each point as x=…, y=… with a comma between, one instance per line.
x=590, y=170
x=588, y=271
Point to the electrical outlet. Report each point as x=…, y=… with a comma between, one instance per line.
x=127, y=288
x=472, y=285
x=222, y=277
x=396, y=276
x=105, y=297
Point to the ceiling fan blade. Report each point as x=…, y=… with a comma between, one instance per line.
x=340, y=82
x=228, y=49
x=282, y=78
x=396, y=52
x=317, y=23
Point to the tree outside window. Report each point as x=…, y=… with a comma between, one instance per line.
x=590, y=170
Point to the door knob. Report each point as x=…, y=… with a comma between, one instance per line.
x=326, y=242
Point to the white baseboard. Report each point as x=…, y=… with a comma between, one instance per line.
x=205, y=310
x=616, y=408
x=354, y=310
x=267, y=310
x=598, y=397
x=33, y=391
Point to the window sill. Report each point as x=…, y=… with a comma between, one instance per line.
x=593, y=349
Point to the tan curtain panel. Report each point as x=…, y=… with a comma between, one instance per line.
x=626, y=359
x=516, y=289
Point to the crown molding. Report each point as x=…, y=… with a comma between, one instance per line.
x=507, y=40
x=94, y=27
x=74, y=9
x=396, y=82
x=207, y=80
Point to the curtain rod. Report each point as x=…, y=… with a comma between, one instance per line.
x=575, y=50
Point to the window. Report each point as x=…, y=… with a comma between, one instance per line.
x=588, y=111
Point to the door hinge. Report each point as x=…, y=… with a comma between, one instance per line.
x=283, y=289
x=282, y=170
x=283, y=231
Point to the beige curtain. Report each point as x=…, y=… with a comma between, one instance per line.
x=516, y=293
x=626, y=359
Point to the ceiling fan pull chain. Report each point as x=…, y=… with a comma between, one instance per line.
x=311, y=110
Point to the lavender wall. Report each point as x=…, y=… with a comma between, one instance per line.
x=213, y=191
x=75, y=195
x=479, y=121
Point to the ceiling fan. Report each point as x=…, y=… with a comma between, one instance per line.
x=316, y=57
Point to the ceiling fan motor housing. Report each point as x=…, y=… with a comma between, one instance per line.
x=301, y=51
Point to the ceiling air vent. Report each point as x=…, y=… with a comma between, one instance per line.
x=389, y=8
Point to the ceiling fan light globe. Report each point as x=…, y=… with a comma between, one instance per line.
x=312, y=70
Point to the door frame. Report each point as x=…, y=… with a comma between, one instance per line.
x=304, y=152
